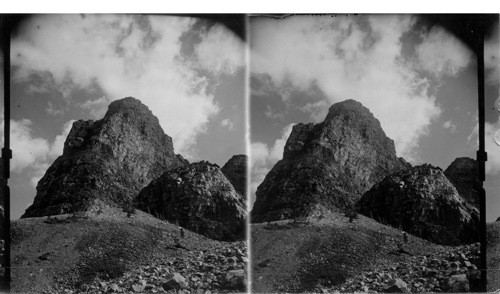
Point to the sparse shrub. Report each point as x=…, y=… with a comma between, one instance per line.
x=351, y=214
x=55, y=220
x=129, y=209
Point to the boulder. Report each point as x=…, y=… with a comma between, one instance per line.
x=423, y=202
x=175, y=282
x=199, y=198
x=397, y=286
x=236, y=279
x=458, y=283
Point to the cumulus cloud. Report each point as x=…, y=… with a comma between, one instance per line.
x=492, y=57
x=272, y=114
x=492, y=144
x=350, y=58
x=30, y=154
x=54, y=111
x=97, y=108
x=220, y=51
x=451, y=126
x=264, y=157
x=137, y=56
x=441, y=53
x=227, y=123
x=318, y=110
x=492, y=147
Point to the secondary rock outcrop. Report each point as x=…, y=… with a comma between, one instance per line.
x=423, y=202
x=331, y=164
x=235, y=171
x=107, y=161
x=463, y=173
x=197, y=197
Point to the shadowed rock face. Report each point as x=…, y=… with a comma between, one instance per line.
x=423, y=202
x=235, y=171
x=106, y=161
x=331, y=163
x=198, y=197
x=463, y=173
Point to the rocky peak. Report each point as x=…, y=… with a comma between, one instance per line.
x=235, y=171
x=107, y=161
x=423, y=202
x=463, y=173
x=198, y=197
x=331, y=163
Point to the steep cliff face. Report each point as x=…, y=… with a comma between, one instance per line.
x=106, y=161
x=463, y=173
x=331, y=163
x=422, y=202
x=235, y=171
x=198, y=197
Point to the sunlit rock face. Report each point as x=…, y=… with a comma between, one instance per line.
x=107, y=161
x=331, y=163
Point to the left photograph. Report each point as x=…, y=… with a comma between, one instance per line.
x=129, y=156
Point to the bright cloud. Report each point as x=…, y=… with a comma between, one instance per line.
x=220, y=51
x=356, y=58
x=451, y=126
x=52, y=110
x=97, y=108
x=274, y=115
x=492, y=147
x=264, y=157
x=30, y=154
x=441, y=53
x=492, y=144
x=124, y=56
x=492, y=57
x=227, y=123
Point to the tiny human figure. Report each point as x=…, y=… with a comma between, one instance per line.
x=405, y=237
x=182, y=232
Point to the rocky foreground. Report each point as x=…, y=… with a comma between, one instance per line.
x=330, y=254
x=221, y=270
x=448, y=271
x=111, y=252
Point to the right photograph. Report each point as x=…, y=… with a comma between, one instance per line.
x=364, y=135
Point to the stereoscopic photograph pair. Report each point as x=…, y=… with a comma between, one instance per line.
x=250, y=153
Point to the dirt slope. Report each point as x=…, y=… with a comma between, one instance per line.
x=74, y=252
x=332, y=254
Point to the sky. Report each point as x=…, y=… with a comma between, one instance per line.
x=189, y=72
x=418, y=80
